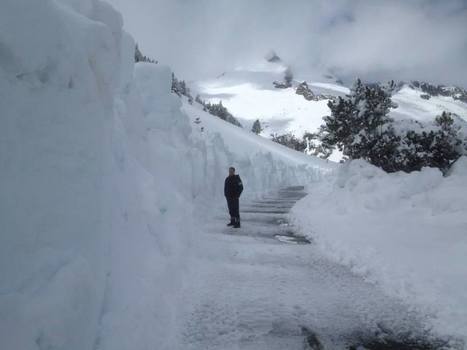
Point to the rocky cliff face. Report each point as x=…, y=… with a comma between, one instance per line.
x=429, y=90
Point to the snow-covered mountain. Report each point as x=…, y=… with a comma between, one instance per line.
x=249, y=94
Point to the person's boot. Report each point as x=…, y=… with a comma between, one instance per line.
x=232, y=222
x=237, y=223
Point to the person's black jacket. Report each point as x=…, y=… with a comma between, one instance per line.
x=233, y=186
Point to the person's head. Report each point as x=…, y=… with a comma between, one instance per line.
x=231, y=171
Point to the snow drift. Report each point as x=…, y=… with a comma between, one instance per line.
x=100, y=175
x=404, y=231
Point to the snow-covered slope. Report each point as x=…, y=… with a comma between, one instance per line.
x=101, y=173
x=249, y=94
x=406, y=232
x=57, y=82
x=412, y=106
x=262, y=163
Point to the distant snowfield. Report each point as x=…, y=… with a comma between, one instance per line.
x=412, y=106
x=242, y=142
x=250, y=96
x=280, y=110
x=248, y=93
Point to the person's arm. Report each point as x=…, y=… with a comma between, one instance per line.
x=239, y=186
x=225, y=188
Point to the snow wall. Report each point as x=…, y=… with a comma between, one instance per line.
x=99, y=180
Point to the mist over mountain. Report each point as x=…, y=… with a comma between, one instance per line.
x=400, y=40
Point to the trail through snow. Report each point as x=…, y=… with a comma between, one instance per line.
x=262, y=287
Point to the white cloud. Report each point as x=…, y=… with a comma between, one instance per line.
x=417, y=39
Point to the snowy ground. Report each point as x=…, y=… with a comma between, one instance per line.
x=405, y=232
x=412, y=106
x=262, y=287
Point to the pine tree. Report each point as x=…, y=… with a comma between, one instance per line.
x=291, y=141
x=315, y=147
x=359, y=124
x=139, y=57
x=360, y=127
x=447, y=146
x=174, y=84
x=256, y=128
x=180, y=88
x=220, y=111
x=138, y=54
x=438, y=147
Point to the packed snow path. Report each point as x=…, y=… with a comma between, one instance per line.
x=262, y=287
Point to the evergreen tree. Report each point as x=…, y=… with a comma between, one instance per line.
x=315, y=147
x=438, y=147
x=256, y=128
x=291, y=141
x=138, y=54
x=359, y=124
x=220, y=111
x=447, y=146
x=360, y=127
x=180, y=88
x=139, y=57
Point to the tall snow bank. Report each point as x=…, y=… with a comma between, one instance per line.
x=152, y=216
x=57, y=81
x=408, y=232
x=94, y=210
x=262, y=164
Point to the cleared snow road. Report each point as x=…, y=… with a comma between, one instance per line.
x=261, y=287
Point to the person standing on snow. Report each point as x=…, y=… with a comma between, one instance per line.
x=233, y=188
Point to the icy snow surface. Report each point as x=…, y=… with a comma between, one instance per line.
x=407, y=232
x=249, y=290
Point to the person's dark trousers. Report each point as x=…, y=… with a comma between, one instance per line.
x=234, y=209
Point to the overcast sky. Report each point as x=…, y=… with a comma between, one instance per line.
x=377, y=40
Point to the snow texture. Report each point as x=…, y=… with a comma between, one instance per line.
x=101, y=175
x=248, y=93
x=406, y=232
